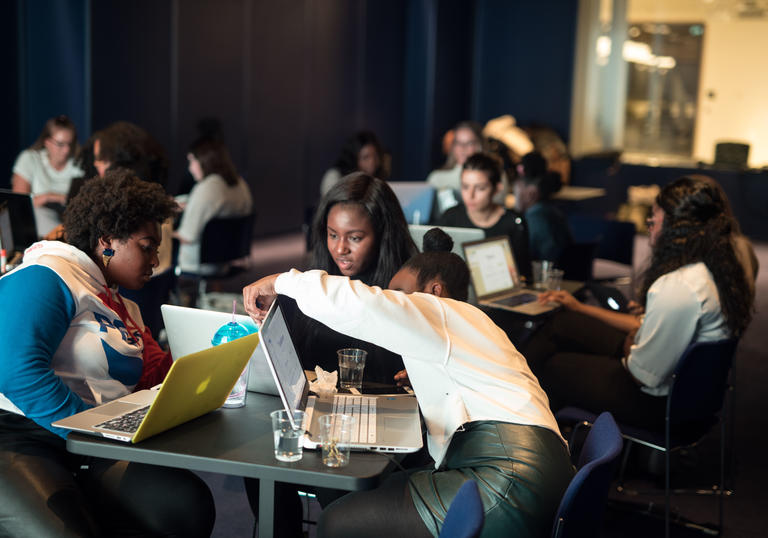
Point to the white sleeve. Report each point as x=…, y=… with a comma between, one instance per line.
x=203, y=204
x=25, y=165
x=406, y=324
x=669, y=325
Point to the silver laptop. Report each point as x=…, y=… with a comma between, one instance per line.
x=191, y=329
x=195, y=385
x=394, y=427
x=459, y=235
x=496, y=281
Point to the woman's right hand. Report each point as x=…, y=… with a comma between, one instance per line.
x=560, y=296
x=401, y=378
x=259, y=296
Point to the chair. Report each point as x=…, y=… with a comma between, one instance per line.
x=465, y=516
x=581, y=509
x=615, y=239
x=223, y=241
x=577, y=260
x=695, y=399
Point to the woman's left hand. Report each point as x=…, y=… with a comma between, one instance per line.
x=259, y=296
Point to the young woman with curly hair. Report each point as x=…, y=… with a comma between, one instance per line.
x=694, y=290
x=72, y=342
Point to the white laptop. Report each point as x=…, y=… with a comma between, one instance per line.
x=195, y=385
x=385, y=423
x=459, y=235
x=191, y=329
x=496, y=281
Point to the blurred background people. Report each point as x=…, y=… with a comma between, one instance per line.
x=361, y=152
x=46, y=169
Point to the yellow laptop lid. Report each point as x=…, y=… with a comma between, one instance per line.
x=196, y=384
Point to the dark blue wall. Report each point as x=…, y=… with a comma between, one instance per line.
x=52, y=49
x=9, y=91
x=524, y=61
x=291, y=80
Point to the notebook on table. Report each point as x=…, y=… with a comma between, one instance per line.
x=385, y=423
x=195, y=385
x=191, y=329
x=496, y=281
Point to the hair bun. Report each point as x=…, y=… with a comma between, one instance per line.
x=436, y=240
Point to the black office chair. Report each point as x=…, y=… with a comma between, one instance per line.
x=731, y=155
x=465, y=516
x=224, y=240
x=696, y=397
x=615, y=241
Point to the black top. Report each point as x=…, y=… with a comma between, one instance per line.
x=317, y=344
x=511, y=224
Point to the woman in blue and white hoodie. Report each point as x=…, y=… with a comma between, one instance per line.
x=70, y=342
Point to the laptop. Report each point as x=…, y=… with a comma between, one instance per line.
x=196, y=384
x=191, y=329
x=416, y=198
x=21, y=214
x=459, y=235
x=495, y=278
x=394, y=427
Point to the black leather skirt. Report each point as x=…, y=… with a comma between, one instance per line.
x=521, y=472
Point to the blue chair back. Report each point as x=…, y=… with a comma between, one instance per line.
x=581, y=509
x=698, y=388
x=465, y=516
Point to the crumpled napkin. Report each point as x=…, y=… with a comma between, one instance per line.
x=325, y=384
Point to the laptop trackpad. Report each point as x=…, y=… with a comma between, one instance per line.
x=116, y=408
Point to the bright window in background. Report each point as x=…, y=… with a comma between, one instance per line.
x=662, y=88
x=664, y=81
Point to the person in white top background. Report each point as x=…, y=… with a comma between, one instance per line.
x=695, y=289
x=219, y=192
x=487, y=417
x=46, y=169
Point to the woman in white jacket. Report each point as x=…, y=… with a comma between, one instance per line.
x=486, y=415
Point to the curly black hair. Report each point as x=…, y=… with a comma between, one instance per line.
x=697, y=228
x=437, y=261
x=116, y=206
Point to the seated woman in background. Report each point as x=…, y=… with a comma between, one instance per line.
x=548, y=231
x=487, y=417
x=466, y=139
x=362, y=152
x=480, y=181
x=71, y=342
x=46, y=169
x=219, y=192
x=694, y=290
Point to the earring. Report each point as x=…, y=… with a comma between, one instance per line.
x=106, y=256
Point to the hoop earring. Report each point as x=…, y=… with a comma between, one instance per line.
x=106, y=256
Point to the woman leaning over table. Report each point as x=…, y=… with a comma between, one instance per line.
x=487, y=417
x=72, y=342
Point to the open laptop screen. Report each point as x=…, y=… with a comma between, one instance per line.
x=491, y=265
x=282, y=356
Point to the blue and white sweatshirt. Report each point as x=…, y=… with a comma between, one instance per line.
x=64, y=348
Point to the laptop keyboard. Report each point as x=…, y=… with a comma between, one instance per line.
x=519, y=299
x=363, y=408
x=127, y=423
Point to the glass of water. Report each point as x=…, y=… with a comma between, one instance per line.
x=351, y=365
x=287, y=434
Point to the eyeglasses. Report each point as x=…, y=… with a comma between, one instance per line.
x=59, y=143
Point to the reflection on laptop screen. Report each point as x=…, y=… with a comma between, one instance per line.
x=491, y=265
x=285, y=360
